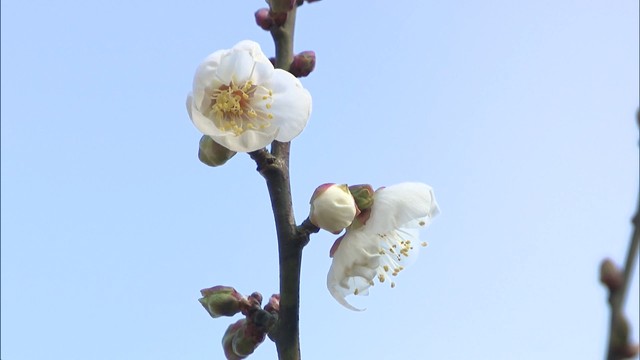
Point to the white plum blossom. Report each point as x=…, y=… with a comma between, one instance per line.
x=332, y=207
x=243, y=103
x=384, y=244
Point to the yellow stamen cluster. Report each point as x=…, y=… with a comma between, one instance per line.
x=235, y=108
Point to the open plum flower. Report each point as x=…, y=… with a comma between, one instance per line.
x=386, y=242
x=243, y=103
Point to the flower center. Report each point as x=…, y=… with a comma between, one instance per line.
x=240, y=108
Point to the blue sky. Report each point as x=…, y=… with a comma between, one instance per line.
x=519, y=114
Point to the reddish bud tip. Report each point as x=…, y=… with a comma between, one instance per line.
x=255, y=299
x=303, y=64
x=263, y=19
x=274, y=304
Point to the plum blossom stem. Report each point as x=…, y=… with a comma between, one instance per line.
x=274, y=167
x=275, y=170
x=619, y=346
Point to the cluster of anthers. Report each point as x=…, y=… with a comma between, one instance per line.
x=235, y=107
x=394, y=250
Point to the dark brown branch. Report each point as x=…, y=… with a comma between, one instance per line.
x=620, y=346
x=274, y=167
x=276, y=173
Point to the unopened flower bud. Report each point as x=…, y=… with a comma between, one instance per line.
x=332, y=207
x=221, y=301
x=263, y=19
x=213, y=154
x=247, y=339
x=227, y=340
x=610, y=275
x=303, y=64
x=363, y=195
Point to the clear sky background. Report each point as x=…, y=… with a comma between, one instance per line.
x=520, y=114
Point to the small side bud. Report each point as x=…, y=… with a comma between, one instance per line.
x=363, y=195
x=255, y=299
x=213, y=154
x=273, y=306
x=263, y=19
x=303, y=64
x=332, y=207
x=610, y=275
x=227, y=340
x=247, y=339
x=221, y=301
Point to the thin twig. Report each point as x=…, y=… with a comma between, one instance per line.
x=620, y=346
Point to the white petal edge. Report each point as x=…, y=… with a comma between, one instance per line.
x=400, y=206
x=205, y=77
x=291, y=105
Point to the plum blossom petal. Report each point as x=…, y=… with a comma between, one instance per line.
x=385, y=245
x=290, y=99
x=410, y=203
x=243, y=103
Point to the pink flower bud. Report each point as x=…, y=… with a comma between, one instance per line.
x=263, y=19
x=213, y=154
x=332, y=207
x=303, y=64
x=221, y=301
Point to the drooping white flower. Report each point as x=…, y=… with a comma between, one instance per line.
x=385, y=244
x=332, y=207
x=243, y=103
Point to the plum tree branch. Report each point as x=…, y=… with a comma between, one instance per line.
x=619, y=346
x=274, y=167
